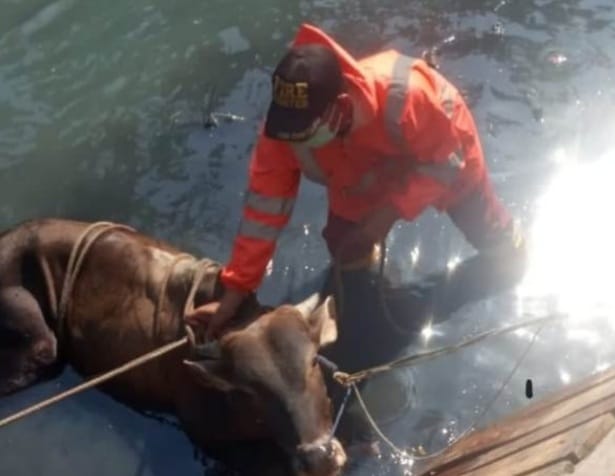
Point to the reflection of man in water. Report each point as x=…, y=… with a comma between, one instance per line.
x=388, y=136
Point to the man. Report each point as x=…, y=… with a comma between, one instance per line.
x=388, y=136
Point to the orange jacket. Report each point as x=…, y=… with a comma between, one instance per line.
x=419, y=148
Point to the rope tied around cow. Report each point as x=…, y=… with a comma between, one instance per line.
x=349, y=380
x=80, y=249
x=75, y=261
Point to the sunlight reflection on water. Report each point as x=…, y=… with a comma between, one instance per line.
x=562, y=265
x=572, y=252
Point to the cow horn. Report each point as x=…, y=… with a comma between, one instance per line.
x=307, y=306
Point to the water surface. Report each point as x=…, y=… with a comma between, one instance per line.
x=101, y=110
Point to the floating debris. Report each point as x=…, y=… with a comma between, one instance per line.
x=500, y=5
x=212, y=119
x=557, y=58
x=498, y=29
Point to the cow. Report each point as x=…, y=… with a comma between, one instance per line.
x=94, y=296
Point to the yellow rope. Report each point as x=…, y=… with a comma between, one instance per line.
x=373, y=423
x=77, y=255
x=75, y=261
x=96, y=380
x=162, y=294
x=415, y=359
x=352, y=379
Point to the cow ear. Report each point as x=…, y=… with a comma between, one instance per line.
x=321, y=320
x=208, y=374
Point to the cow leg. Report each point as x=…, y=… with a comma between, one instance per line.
x=28, y=348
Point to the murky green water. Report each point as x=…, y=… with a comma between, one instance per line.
x=100, y=118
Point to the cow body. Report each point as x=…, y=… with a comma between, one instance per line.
x=128, y=298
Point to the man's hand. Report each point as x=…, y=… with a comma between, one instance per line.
x=215, y=315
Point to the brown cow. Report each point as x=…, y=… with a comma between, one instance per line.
x=260, y=381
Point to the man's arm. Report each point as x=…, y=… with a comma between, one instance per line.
x=501, y=259
x=439, y=128
x=272, y=188
x=273, y=183
x=497, y=266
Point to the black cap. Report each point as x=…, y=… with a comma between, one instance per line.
x=304, y=83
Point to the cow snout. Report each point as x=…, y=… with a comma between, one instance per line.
x=325, y=457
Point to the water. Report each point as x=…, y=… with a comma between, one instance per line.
x=100, y=118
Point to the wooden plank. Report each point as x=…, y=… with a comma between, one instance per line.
x=575, y=406
x=491, y=453
x=557, y=469
x=587, y=445
x=542, y=414
x=601, y=460
x=528, y=459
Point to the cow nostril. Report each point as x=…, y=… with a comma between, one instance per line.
x=336, y=453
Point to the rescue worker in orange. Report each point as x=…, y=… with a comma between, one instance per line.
x=387, y=135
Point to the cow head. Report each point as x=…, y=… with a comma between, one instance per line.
x=273, y=360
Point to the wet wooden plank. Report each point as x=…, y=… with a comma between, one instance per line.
x=557, y=469
x=601, y=460
x=525, y=459
x=579, y=405
x=585, y=446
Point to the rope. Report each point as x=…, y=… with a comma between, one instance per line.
x=350, y=380
x=77, y=255
x=162, y=294
x=74, y=265
x=199, y=273
x=96, y=381
x=487, y=407
x=415, y=359
x=340, y=412
x=373, y=423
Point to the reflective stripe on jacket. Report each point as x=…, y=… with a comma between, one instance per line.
x=418, y=148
